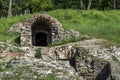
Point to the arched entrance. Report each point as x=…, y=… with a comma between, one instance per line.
x=41, y=34
x=40, y=30
x=41, y=39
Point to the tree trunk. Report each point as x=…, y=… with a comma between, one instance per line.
x=118, y=4
x=10, y=8
x=89, y=4
x=81, y=4
x=114, y=4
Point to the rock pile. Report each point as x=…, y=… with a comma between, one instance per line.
x=62, y=34
x=7, y=47
x=93, y=60
x=115, y=51
x=36, y=69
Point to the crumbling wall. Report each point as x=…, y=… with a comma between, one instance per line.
x=58, y=34
x=26, y=32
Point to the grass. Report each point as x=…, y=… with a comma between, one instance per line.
x=49, y=77
x=6, y=23
x=98, y=24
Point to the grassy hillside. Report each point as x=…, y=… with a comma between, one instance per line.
x=97, y=24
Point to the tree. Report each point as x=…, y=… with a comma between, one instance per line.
x=114, y=4
x=17, y=7
x=81, y=4
x=89, y=4
x=118, y=4
x=10, y=8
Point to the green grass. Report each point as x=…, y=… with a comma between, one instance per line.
x=98, y=24
x=6, y=23
x=49, y=77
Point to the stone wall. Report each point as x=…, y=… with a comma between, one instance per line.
x=57, y=33
x=26, y=32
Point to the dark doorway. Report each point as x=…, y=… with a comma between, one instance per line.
x=41, y=39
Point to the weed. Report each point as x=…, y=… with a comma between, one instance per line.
x=38, y=53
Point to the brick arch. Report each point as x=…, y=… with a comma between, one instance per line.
x=41, y=24
x=43, y=17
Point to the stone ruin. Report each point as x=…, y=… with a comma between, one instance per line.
x=39, y=30
x=42, y=30
x=90, y=67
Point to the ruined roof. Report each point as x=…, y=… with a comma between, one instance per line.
x=43, y=17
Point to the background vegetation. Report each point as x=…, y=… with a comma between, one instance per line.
x=18, y=7
x=97, y=18
x=99, y=24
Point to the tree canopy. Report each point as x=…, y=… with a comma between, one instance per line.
x=19, y=7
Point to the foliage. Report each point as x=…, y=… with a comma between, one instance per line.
x=6, y=23
x=3, y=8
x=102, y=4
x=25, y=6
x=40, y=5
x=31, y=6
x=74, y=4
x=99, y=24
x=38, y=53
